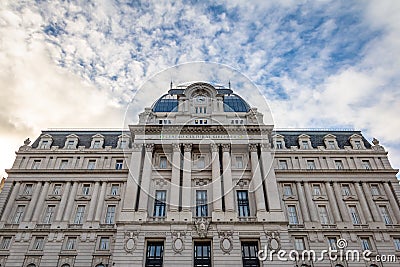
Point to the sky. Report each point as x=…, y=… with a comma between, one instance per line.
x=319, y=64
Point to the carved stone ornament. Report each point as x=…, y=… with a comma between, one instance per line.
x=375, y=142
x=201, y=181
x=130, y=241
x=253, y=147
x=27, y=142
x=202, y=225
x=187, y=147
x=214, y=147
x=177, y=242
x=160, y=183
x=226, y=147
x=225, y=242
x=242, y=183
x=176, y=147
x=273, y=240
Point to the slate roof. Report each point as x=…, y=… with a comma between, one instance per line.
x=111, y=137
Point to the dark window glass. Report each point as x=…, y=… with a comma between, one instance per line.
x=249, y=254
x=243, y=203
x=202, y=254
x=201, y=203
x=159, y=204
x=154, y=254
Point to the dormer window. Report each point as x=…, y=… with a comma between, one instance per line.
x=96, y=144
x=278, y=145
x=330, y=142
x=97, y=141
x=44, y=144
x=123, y=141
x=304, y=142
x=71, y=142
x=279, y=141
x=356, y=142
x=305, y=145
x=45, y=141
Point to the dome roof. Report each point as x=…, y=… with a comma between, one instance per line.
x=165, y=104
x=234, y=103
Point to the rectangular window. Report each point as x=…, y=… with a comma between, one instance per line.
x=71, y=243
x=36, y=164
x=114, y=189
x=154, y=254
x=202, y=254
x=123, y=144
x=396, y=243
x=63, y=164
x=19, y=212
x=96, y=144
x=71, y=144
x=292, y=214
x=355, y=218
x=119, y=164
x=49, y=214
x=86, y=189
x=250, y=254
x=57, y=189
x=375, y=190
x=316, y=190
x=200, y=162
x=279, y=144
x=346, y=190
x=239, y=162
x=305, y=145
x=159, y=203
x=91, y=164
x=283, y=165
x=366, y=165
x=331, y=144
x=5, y=242
x=110, y=215
x=339, y=164
x=287, y=190
x=201, y=203
x=332, y=241
x=311, y=165
x=28, y=189
x=323, y=214
x=80, y=212
x=243, y=203
x=299, y=244
x=44, y=144
x=385, y=215
x=38, y=244
x=163, y=162
x=104, y=243
x=365, y=243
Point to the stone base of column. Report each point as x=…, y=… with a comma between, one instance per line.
x=179, y=216
x=270, y=216
x=227, y=216
x=27, y=225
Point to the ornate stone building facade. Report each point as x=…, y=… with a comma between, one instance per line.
x=200, y=181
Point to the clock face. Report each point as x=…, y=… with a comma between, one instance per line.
x=200, y=99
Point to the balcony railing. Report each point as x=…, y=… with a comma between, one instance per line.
x=247, y=218
x=156, y=219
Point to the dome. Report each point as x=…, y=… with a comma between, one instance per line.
x=234, y=103
x=166, y=103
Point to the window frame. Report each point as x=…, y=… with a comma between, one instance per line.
x=79, y=214
x=154, y=253
x=252, y=248
x=202, y=260
x=5, y=242
x=201, y=203
x=110, y=214
x=160, y=198
x=243, y=203
x=18, y=214
x=293, y=216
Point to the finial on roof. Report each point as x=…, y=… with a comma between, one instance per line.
x=170, y=86
x=27, y=142
x=375, y=141
x=229, y=84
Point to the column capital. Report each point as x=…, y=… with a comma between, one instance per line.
x=176, y=147
x=137, y=147
x=149, y=147
x=187, y=147
x=226, y=147
x=253, y=147
x=214, y=147
x=265, y=146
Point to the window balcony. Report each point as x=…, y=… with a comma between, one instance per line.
x=247, y=218
x=156, y=219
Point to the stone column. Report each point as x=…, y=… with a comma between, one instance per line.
x=146, y=178
x=70, y=204
x=342, y=206
x=216, y=179
x=10, y=202
x=273, y=197
x=187, y=177
x=302, y=202
x=392, y=200
x=363, y=202
x=227, y=176
x=256, y=181
x=311, y=205
x=175, y=178
x=32, y=203
x=333, y=202
x=40, y=202
x=63, y=202
x=371, y=203
x=100, y=202
x=93, y=202
x=132, y=184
